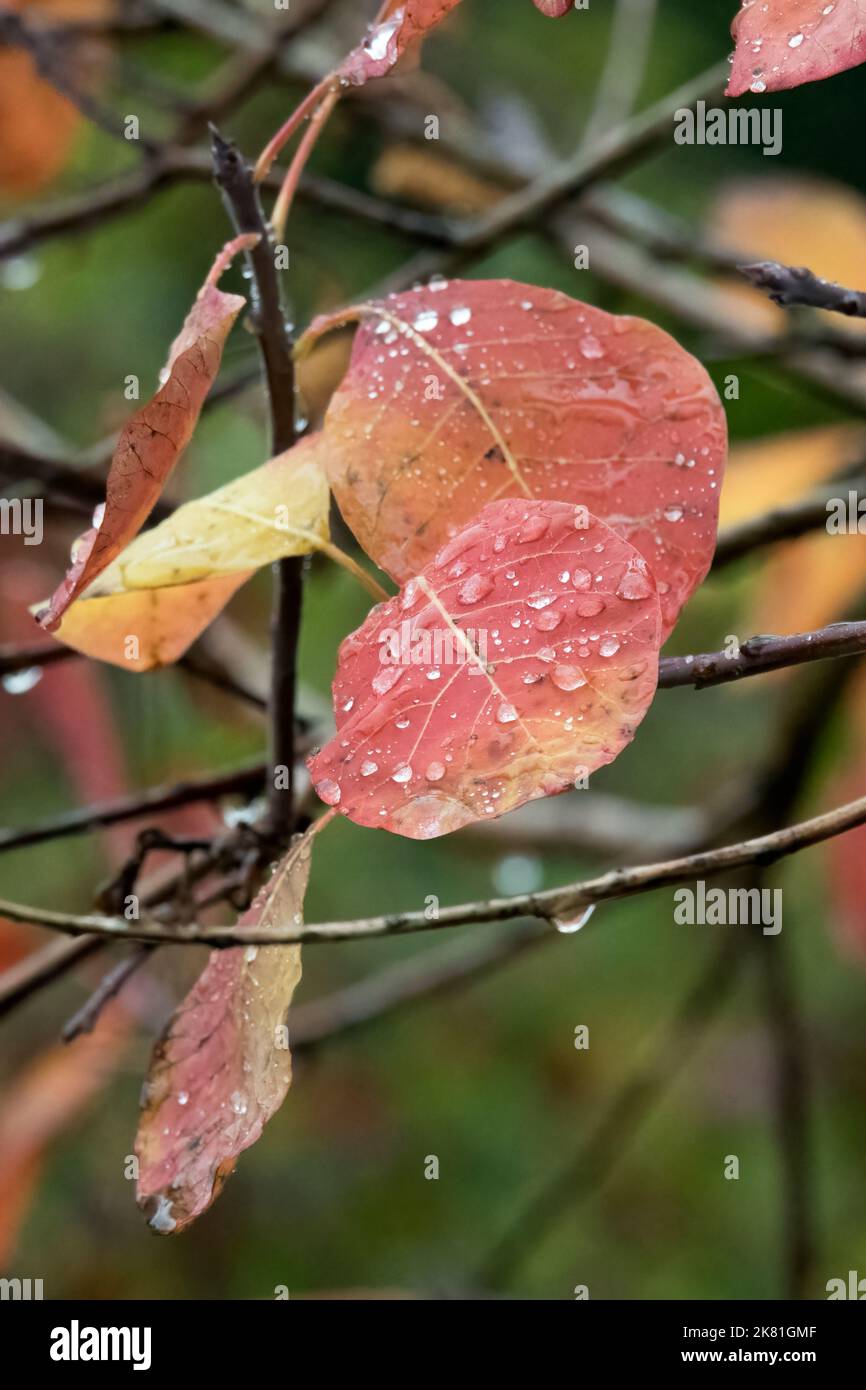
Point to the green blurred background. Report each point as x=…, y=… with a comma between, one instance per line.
x=334, y=1197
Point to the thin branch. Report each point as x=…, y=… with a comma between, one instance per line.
x=758, y=655
x=423, y=977
x=796, y=285
x=246, y=781
x=568, y=178
x=241, y=197
x=42, y=967
x=550, y=906
x=624, y=69
x=85, y=1018
x=786, y=522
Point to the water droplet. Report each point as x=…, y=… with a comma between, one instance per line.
x=368, y=768
x=403, y=774
x=386, y=679
x=460, y=316
x=19, y=682
x=568, y=677
x=328, y=791
x=635, y=583
x=435, y=772
x=609, y=647
x=475, y=588
x=426, y=321
x=568, y=924
x=506, y=714
x=590, y=606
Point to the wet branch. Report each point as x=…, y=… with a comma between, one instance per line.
x=790, y=285
x=549, y=906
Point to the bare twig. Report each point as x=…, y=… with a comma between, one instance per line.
x=551, y=905
x=796, y=285
x=240, y=781
x=761, y=654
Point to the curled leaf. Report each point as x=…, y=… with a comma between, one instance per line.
x=170, y=583
x=461, y=393
x=223, y=1067
x=514, y=665
x=783, y=43
x=151, y=443
x=399, y=25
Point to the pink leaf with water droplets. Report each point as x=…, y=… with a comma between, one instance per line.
x=460, y=393
x=399, y=26
x=782, y=43
x=514, y=665
x=223, y=1067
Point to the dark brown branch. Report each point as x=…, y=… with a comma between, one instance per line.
x=796, y=285
x=549, y=906
x=241, y=197
x=84, y=1020
x=244, y=781
x=423, y=977
x=42, y=967
x=761, y=654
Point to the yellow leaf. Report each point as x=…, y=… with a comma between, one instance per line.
x=164, y=589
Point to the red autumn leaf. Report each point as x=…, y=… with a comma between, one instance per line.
x=783, y=43
x=458, y=394
x=519, y=661
x=398, y=25
x=554, y=9
x=153, y=440
x=223, y=1067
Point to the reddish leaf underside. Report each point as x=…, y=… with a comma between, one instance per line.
x=223, y=1067
x=399, y=25
x=151, y=443
x=461, y=393
x=518, y=662
x=783, y=43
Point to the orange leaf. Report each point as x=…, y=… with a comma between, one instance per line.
x=153, y=440
x=461, y=393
